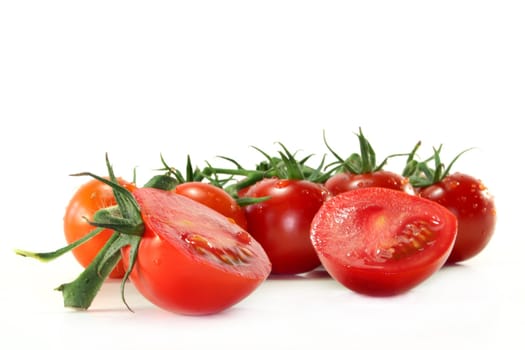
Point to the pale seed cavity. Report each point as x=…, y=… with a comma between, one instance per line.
x=414, y=238
x=234, y=255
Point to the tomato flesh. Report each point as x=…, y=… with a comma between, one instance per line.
x=380, y=241
x=215, y=198
x=474, y=207
x=191, y=259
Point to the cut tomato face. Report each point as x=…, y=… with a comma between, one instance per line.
x=191, y=259
x=379, y=241
x=215, y=198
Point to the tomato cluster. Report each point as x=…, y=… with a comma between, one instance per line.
x=198, y=244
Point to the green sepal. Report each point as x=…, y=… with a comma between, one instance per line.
x=81, y=292
x=126, y=221
x=48, y=256
x=411, y=166
x=163, y=182
x=358, y=163
x=245, y=201
x=421, y=175
x=110, y=218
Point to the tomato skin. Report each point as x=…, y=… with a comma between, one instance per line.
x=345, y=181
x=380, y=242
x=85, y=202
x=281, y=224
x=215, y=198
x=474, y=207
x=176, y=268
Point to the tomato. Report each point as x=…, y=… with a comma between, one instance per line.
x=474, y=207
x=215, y=198
x=282, y=223
x=191, y=259
x=346, y=181
x=361, y=170
x=88, y=199
x=379, y=241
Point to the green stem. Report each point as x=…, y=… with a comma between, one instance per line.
x=243, y=172
x=48, y=256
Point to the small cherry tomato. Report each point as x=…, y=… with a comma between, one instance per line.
x=346, y=181
x=281, y=224
x=474, y=207
x=86, y=201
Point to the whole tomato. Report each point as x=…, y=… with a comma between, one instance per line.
x=85, y=202
x=360, y=170
x=281, y=224
x=347, y=181
x=474, y=207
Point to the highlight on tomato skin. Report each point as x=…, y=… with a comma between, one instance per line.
x=191, y=259
x=380, y=242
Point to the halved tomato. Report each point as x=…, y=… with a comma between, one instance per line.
x=192, y=259
x=380, y=241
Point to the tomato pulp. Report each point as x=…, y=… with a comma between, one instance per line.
x=191, y=259
x=215, y=198
x=380, y=241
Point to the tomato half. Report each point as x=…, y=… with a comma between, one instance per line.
x=380, y=241
x=474, y=207
x=85, y=202
x=191, y=259
x=342, y=182
x=215, y=198
x=282, y=223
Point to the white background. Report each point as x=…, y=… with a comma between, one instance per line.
x=137, y=79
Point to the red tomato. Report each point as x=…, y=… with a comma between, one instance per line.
x=346, y=181
x=191, y=259
x=282, y=223
x=380, y=241
x=474, y=207
x=215, y=198
x=89, y=198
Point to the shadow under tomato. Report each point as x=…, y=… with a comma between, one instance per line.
x=319, y=273
x=456, y=265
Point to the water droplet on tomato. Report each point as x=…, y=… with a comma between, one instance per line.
x=282, y=183
x=243, y=237
x=453, y=184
